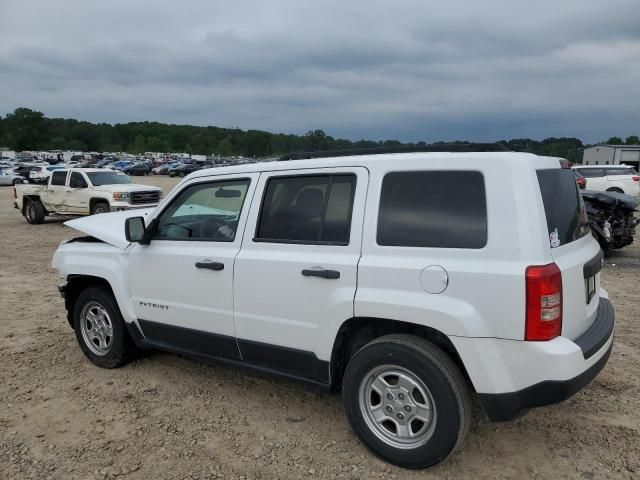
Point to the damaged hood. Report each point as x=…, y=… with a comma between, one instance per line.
x=108, y=227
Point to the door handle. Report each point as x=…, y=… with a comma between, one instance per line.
x=328, y=274
x=210, y=265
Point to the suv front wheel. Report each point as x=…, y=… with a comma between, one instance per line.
x=100, y=329
x=406, y=400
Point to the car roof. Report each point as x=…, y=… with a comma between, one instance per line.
x=379, y=161
x=602, y=166
x=85, y=170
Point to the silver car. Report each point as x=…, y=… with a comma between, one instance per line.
x=7, y=177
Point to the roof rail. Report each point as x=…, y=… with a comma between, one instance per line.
x=440, y=147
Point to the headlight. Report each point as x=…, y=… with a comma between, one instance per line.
x=120, y=195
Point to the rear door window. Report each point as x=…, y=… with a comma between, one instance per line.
x=445, y=209
x=58, y=178
x=313, y=209
x=566, y=217
x=591, y=172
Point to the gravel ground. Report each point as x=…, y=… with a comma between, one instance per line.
x=168, y=417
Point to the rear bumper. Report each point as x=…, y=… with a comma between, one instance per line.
x=596, y=343
x=503, y=407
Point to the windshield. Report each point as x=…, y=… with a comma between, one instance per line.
x=563, y=207
x=108, y=178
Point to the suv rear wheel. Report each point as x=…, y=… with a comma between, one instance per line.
x=34, y=212
x=100, y=329
x=406, y=400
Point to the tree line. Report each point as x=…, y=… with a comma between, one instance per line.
x=27, y=129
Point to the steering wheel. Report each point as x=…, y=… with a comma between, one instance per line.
x=210, y=228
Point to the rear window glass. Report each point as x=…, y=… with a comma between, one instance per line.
x=621, y=171
x=446, y=209
x=563, y=207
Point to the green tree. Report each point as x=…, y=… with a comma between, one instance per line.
x=632, y=140
x=25, y=129
x=224, y=148
x=614, y=141
x=139, y=144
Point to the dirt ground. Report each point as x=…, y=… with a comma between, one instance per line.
x=166, y=417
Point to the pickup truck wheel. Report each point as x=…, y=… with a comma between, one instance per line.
x=406, y=400
x=34, y=212
x=100, y=329
x=100, y=207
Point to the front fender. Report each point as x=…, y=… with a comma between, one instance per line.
x=97, y=260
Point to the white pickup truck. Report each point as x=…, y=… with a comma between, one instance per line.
x=85, y=191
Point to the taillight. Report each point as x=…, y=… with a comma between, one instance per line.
x=581, y=181
x=544, y=302
x=635, y=178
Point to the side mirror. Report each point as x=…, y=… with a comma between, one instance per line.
x=134, y=229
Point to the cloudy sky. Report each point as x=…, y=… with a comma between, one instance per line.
x=412, y=70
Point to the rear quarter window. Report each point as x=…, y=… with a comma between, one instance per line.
x=563, y=207
x=621, y=171
x=444, y=209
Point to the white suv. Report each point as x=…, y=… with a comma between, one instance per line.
x=413, y=282
x=611, y=178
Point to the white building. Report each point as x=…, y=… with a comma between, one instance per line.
x=612, y=155
x=10, y=154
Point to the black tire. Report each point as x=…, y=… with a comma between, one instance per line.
x=604, y=245
x=614, y=189
x=445, y=386
x=99, y=208
x=121, y=349
x=34, y=212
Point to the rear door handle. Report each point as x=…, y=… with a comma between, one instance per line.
x=328, y=274
x=210, y=265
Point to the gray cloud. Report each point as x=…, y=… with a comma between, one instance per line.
x=411, y=70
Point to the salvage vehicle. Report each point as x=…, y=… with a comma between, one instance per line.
x=611, y=215
x=33, y=173
x=140, y=168
x=412, y=282
x=611, y=178
x=164, y=168
x=82, y=192
x=187, y=168
x=8, y=177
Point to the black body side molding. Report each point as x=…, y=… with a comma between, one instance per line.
x=211, y=348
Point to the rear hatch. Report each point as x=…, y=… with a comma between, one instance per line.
x=573, y=248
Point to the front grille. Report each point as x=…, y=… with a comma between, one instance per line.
x=145, y=197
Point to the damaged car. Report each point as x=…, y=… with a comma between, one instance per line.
x=611, y=216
